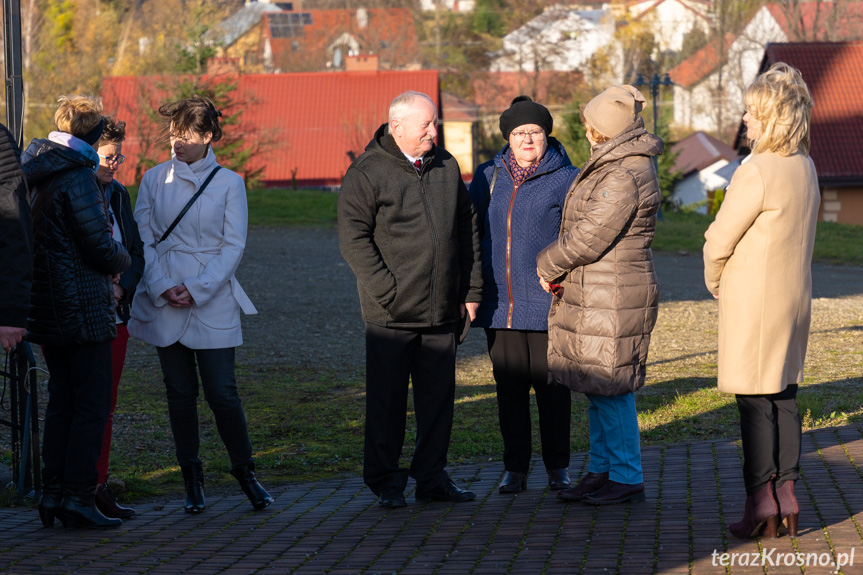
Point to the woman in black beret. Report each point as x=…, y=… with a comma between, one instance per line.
x=519, y=199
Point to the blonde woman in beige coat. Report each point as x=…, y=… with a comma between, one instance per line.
x=757, y=263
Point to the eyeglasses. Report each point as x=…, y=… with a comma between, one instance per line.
x=118, y=159
x=534, y=135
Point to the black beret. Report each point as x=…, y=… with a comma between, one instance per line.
x=525, y=111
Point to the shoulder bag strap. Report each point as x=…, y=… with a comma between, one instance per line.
x=189, y=205
x=493, y=182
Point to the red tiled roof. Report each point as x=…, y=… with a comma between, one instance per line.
x=317, y=118
x=494, y=91
x=455, y=109
x=701, y=64
x=805, y=21
x=833, y=71
x=389, y=32
x=698, y=151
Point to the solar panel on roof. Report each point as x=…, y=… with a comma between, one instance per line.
x=289, y=24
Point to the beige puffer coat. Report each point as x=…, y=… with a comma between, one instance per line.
x=599, y=328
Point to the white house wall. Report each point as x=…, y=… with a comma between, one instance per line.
x=671, y=21
x=559, y=40
x=696, y=107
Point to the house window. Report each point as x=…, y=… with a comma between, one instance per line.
x=250, y=58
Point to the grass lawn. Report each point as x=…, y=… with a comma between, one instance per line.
x=834, y=243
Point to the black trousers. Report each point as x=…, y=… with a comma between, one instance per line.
x=519, y=361
x=426, y=358
x=180, y=366
x=770, y=430
x=79, y=399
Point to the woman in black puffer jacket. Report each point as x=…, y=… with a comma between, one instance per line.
x=72, y=307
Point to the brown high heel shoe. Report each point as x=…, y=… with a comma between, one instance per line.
x=760, y=515
x=789, y=510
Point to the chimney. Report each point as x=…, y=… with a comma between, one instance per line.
x=362, y=63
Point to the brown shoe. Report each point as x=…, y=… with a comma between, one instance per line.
x=613, y=492
x=588, y=484
x=107, y=504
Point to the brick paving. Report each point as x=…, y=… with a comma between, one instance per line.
x=694, y=490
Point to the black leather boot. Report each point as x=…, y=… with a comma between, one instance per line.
x=51, y=498
x=253, y=490
x=193, y=479
x=107, y=504
x=79, y=511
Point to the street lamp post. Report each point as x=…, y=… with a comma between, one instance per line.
x=655, y=84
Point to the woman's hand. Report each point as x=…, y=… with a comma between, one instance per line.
x=542, y=283
x=119, y=292
x=178, y=296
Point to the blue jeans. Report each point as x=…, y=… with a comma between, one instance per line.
x=180, y=367
x=615, y=444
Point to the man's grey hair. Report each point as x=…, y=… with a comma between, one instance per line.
x=401, y=105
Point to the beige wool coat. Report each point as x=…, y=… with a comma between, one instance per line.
x=758, y=260
x=599, y=327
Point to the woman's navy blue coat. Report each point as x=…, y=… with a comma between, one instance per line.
x=527, y=219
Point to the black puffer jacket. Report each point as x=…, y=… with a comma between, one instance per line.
x=411, y=238
x=15, y=236
x=72, y=301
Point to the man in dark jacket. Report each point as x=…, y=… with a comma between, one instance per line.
x=16, y=238
x=408, y=230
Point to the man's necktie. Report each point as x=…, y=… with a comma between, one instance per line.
x=418, y=165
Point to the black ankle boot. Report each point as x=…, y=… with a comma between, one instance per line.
x=51, y=498
x=78, y=510
x=193, y=479
x=253, y=490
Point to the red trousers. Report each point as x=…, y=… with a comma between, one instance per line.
x=118, y=359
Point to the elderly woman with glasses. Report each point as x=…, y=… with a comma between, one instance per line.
x=124, y=230
x=519, y=198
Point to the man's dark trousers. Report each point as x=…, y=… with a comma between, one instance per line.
x=393, y=356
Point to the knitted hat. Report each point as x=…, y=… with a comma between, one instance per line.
x=614, y=110
x=525, y=111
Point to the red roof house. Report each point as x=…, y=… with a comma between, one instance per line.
x=833, y=72
x=708, y=94
x=312, y=123
x=317, y=40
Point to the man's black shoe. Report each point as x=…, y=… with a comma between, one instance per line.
x=446, y=491
x=392, y=499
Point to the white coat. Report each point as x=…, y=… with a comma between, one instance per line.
x=202, y=253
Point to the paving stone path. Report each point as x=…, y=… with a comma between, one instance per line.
x=694, y=490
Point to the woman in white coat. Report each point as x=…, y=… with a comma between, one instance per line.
x=188, y=302
x=757, y=263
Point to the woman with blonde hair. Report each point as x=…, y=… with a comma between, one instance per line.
x=757, y=263
x=75, y=263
